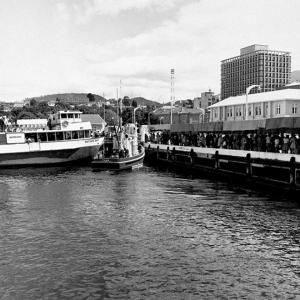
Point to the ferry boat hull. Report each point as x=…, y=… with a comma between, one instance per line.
x=118, y=164
x=41, y=154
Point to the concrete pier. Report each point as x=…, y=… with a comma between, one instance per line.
x=275, y=170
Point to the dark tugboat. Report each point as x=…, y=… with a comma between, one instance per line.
x=121, y=150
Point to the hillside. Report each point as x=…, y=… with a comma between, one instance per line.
x=84, y=98
x=68, y=97
x=144, y=102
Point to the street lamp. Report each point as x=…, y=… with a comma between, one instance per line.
x=149, y=117
x=133, y=115
x=248, y=89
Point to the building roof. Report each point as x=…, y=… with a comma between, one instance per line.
x=93, y=118
x=181, y=110
x=32, y=122
x=285, y=94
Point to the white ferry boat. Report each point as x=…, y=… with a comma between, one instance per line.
x=65, y=139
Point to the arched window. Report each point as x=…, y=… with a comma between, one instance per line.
x=278, y=109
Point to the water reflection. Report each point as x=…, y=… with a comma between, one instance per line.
x=74, y=233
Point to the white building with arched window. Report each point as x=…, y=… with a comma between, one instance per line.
x=274, y=104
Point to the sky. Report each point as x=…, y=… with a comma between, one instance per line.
x=89, y=46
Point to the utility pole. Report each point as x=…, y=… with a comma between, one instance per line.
x=117, y=105
x=104, y=108
x=172, y=94
x=121, y=104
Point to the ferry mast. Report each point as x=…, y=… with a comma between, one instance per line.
x=172, y=94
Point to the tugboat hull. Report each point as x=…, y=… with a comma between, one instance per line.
x=114, y=164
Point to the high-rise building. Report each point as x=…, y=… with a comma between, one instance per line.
x=258, y=65
x=207, y=99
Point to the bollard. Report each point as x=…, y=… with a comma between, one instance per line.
x=292, y=171
x=248, y=165
x=217, y=163
x=173, y=153
x=192, y=155
x=168, y=150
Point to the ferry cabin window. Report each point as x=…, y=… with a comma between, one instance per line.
x=68, y=135
x=51, y=136
x=63, y=116
x=87, y=134
x=74, y=135
x=31, y=137
x=42, y=137
x=60, y=135
x=81, y=134
x=70, y=116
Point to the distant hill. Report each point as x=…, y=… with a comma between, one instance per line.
x=68, y=98
x=144, y=102
x=295, y=76
x=81, y=98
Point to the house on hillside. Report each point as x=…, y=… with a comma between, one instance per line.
x=6, y=107
x=97, y=122
x=51, y=103
x=32, y=124
x=18, y=105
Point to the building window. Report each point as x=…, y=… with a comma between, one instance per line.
x=294, y=109
x=249, y=111
x=278, y=109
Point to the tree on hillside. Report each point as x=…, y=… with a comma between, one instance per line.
x=32, y=102
x=43, y=108
x=61, y=105
x=189, y=103
x=126, y=101
x=141, y=116
x=127, y=115
x=26, y=115
x=91, y=97
x=134, y=103
x=153, y=119
x=111, y=117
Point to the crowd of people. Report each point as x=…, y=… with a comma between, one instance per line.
x=266, y=142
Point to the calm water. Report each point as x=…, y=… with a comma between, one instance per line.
x=78, y=234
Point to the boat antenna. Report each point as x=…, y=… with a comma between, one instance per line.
x=104, y=108
x=120, y=104
x=117, y=104
x=172, y=94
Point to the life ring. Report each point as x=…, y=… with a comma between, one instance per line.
x=65, y=123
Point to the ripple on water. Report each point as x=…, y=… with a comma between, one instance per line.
x=73, y=233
